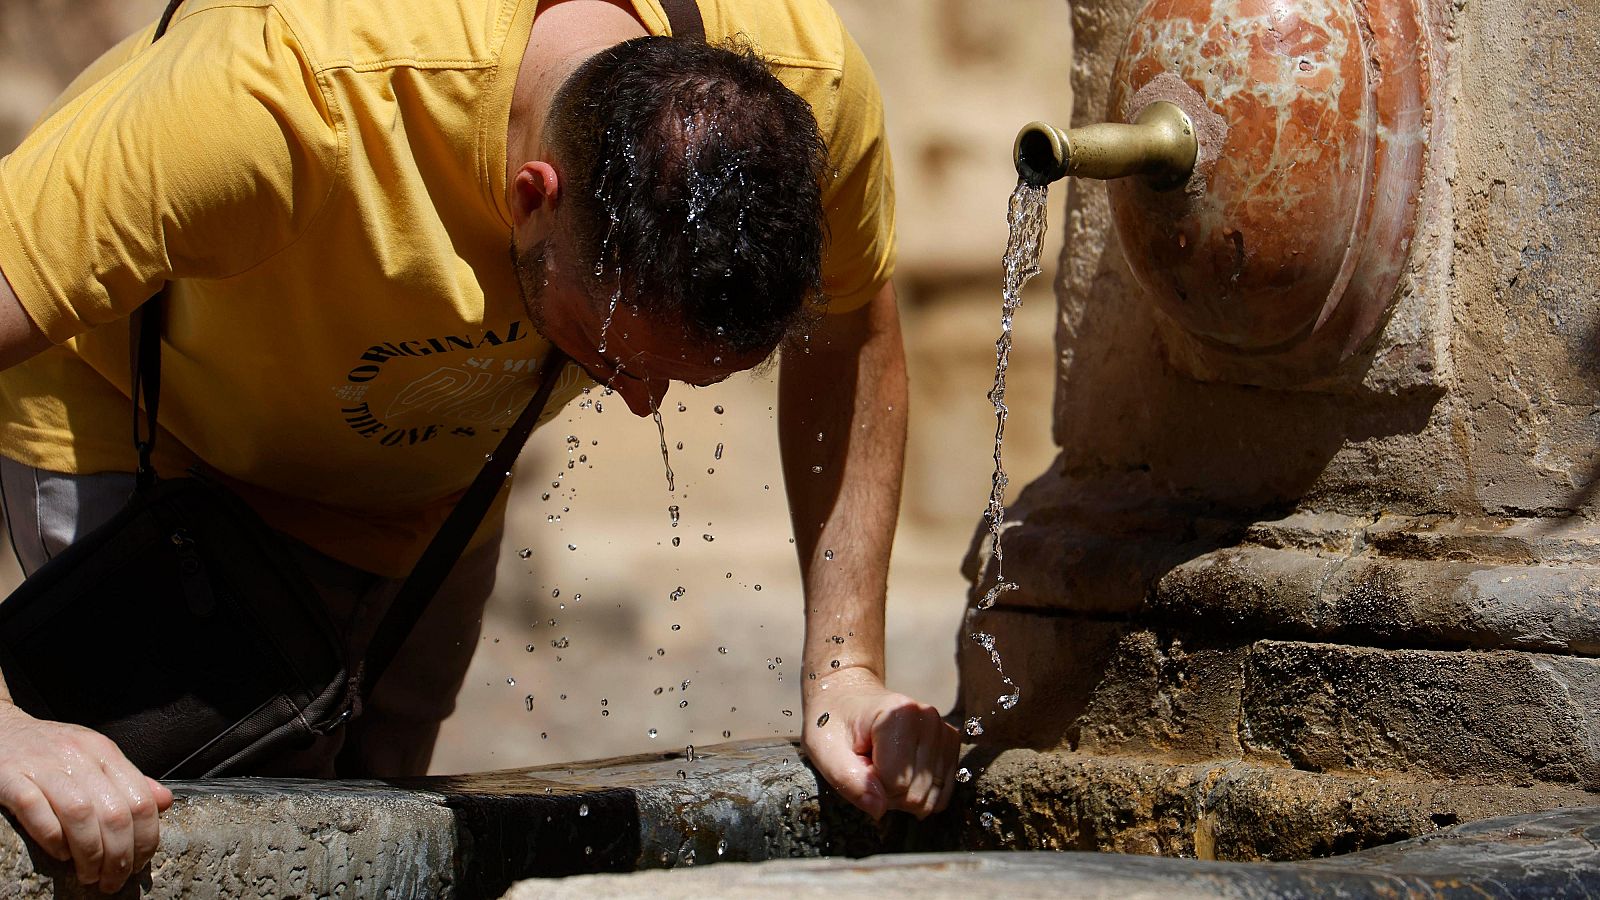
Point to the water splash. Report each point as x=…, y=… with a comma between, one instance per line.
x=661, y=430
x=986, y=641
x=611, y=312
x=1026, y=218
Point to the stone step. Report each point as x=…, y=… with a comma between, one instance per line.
x=1543, y=855
x=1425, y=603
x=472, y=836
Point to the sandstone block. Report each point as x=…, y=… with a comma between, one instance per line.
x=1422, y=603
x=1515, y=716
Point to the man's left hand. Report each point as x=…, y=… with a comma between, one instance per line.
x=882, y=750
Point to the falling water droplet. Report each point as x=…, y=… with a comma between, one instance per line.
x=822, y=720
x=528, y=702
x=827, y=554
x=525, y=552
x=708, y=538
x=816, y=470
x=963, y=775
x=583, y=809
x=974, y=727
x=652, y=732
x=672, y=512
x=718, y=453
x=511, y=681
x=717, y=409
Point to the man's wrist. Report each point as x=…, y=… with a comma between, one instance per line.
x=846, y=676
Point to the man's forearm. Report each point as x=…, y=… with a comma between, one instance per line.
x=842, y=426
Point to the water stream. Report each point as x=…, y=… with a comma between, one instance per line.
x=1026, y=218
x=661, y=431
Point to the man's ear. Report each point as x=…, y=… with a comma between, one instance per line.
x=535, y=187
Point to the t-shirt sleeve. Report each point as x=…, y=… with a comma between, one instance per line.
x=199, y=156
x=859, y=199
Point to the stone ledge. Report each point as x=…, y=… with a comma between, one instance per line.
x=1542, y=855
x=1225, y=809
x=1331, y=707
x=1286, y=593
x=1512, y=541
x=472, y=836
x=1325, y=707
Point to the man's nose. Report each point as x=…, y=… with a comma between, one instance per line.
x=644, y=397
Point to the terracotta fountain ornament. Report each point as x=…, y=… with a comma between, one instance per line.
x=1274, y=252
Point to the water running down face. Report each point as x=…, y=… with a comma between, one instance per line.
x=642, y=355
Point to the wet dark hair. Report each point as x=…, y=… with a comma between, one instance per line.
x=693, y=183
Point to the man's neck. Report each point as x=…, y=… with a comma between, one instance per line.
x=565, y=33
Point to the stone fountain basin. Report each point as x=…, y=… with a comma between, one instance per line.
x=476, y=836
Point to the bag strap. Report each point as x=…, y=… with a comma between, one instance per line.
x=683, y=17
x=446, y=547
x=144, y=348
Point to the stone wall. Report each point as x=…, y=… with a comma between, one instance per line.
x=1386, y=570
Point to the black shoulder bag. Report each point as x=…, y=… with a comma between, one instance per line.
x=183, y=630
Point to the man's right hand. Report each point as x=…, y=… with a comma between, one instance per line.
x=79, y=797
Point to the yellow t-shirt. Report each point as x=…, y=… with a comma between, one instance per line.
x=323, y=182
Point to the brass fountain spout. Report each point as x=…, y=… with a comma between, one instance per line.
x=1160, y=144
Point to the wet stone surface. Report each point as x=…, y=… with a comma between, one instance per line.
x=1547, y=855
x=476, y=836
x=473, y=836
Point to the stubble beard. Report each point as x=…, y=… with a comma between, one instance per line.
x=533, y=275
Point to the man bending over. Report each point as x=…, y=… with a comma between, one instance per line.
x=330, y=189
